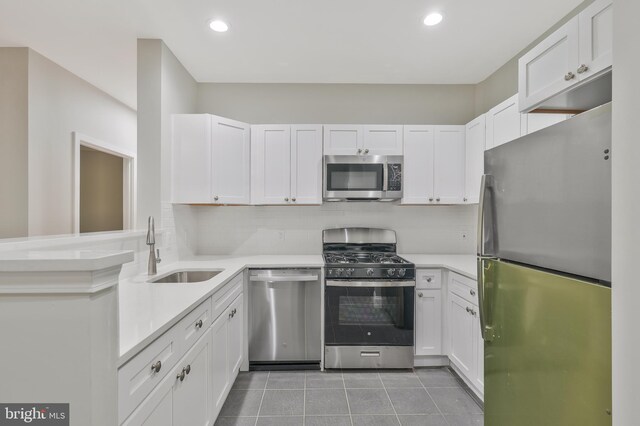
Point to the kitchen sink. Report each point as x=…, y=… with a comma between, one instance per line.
x=187, y=277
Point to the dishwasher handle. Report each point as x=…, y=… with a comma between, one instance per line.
x=281, y=278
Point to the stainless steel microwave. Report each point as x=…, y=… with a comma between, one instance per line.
x=362, y=177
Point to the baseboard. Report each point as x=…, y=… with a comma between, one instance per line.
x=473, y=391
x=430, y=361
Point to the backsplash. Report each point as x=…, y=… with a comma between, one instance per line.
x=248, y=230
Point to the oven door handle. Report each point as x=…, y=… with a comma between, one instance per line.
x=347, y=283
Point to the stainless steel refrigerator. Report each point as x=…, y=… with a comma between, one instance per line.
x=544, y=275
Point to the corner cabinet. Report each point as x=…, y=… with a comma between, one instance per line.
x=353, y=139
x=576, y=52
x=211, y=159
x=185, y=375
x=434, y=162
x=475, y=133
x=286, y=164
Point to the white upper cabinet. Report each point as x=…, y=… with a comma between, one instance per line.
x=306, y=164
x=353, y=139
x=448, y=171
x=342, y=139
x=503, y=123
x=210, y=160
x=574, y=53
x=418, y=164
x=271, y=164
x=286, y=163
x=433, y=164
x=474, y=158
x=382, y=140
x=596, y=38
x=191, y=158
x=230, y=161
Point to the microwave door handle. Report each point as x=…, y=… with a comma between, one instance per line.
x=385, y=176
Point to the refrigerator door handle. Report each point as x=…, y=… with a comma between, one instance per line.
x=485, y=315
x=486, y=184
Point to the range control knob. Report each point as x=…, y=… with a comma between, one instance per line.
x=401, y=272
x=391, y=272
x=348, y=272
x=339, y=272
x=370, y=272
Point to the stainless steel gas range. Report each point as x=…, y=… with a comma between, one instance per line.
x=369, y=300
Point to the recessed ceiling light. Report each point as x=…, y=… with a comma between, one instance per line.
x=433, y=19
x=218, y=26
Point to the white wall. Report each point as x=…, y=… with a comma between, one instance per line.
x=626, y=212
x=59, y=104
x=339, y=103
x=13, y=142
x=298, y=230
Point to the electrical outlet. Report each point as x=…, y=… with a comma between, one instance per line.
x=281, y=235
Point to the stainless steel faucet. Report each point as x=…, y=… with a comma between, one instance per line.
x=154, y=255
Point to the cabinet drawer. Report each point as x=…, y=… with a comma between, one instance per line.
x=464, y=287
x=191, y=327
x=137, y=378
x=428, y=279
x=224, y=298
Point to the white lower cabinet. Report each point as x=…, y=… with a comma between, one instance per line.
x=181, y=398
x=428, y=322
x=466, y=346
x=194, y=389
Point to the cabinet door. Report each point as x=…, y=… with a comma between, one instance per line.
x=191, y=396
x=156, y=409
x=596, y=38
x=478, y=350
x=235, y=341
x=230, y=162
x=448, y=170
x=382, y=140
x=190, y=158
x=428, y=322
x=474, y=158
x=220, y=381
x=306, y=164
x=417, y=178
x=503, y=123
x=342, y=139
x=534, y=122
x=542, y=70
x=461, y=334
x=271, y=164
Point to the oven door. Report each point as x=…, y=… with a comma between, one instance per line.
x=354, y=177
x=369, y=313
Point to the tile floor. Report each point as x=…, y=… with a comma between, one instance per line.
x=427, y=397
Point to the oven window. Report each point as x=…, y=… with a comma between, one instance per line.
x=354, y=177
x=380, y=316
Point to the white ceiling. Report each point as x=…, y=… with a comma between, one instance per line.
x=293, y=41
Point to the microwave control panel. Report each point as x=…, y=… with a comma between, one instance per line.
x=395, y=177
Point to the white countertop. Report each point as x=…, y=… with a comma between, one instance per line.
x=149, y=309
x=62, y=260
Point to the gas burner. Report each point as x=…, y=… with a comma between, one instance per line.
x=386, y=258
x=340, y=258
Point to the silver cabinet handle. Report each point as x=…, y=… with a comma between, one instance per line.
x=431, y=199
x=188, y=368
x=473, y=312
x=472, y=292
x=293, y=199
x=359, y=151
x=199, y=324
x=420, y=294
x=583, y=68
x=366, y=151
x=438, y=199
x=181, y=375
x=464, y=199
x=569, y=76
x=429, y=279
x=468, y=309
x=215, y=198
x=156, y=366
x=286, y=199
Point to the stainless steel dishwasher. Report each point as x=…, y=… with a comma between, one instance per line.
x=284, y=318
